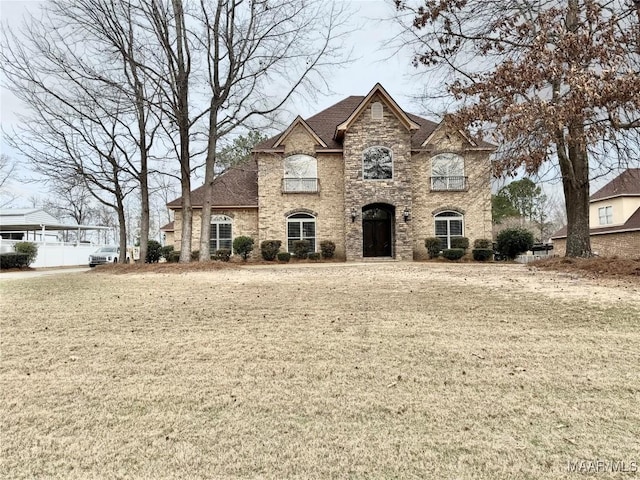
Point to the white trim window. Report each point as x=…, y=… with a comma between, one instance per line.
x=377, y=163
x=605, y=215
x=447, y=226
x=220, y=233
x=301, y=226
x=300, y=174
x=447, y=172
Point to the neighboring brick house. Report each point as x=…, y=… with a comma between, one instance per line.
x=362, y=173
x=614, y=217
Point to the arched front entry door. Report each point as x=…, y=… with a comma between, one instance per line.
x=377, y=230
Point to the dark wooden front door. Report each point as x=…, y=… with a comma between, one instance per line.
x=376, y=232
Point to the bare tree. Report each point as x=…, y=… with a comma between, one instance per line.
x=7, y=167
x=554, y=81
x=259, y=54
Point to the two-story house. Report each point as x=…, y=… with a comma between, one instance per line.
x=364, y=174
x=614, y=218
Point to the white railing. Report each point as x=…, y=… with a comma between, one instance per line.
x=456, y=183
x=300, y=185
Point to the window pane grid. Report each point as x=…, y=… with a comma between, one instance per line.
x=301, y=229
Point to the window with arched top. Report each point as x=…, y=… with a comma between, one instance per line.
x=448, y=225
x=220, y=233
x=301, y=226
x=377, y=163
x=447, y=172
x=376, y=111
x=300, y=174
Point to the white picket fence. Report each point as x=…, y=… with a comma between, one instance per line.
x=56, y=254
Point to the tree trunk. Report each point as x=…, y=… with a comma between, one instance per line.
x=122, y=224
x=209, y=175
x=574, y=166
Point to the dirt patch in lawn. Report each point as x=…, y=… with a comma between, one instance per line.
x=314, y=371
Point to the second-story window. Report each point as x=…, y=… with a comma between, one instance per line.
x=300, y=174
x=447, y=172
x=605, y=215
x=377, y=164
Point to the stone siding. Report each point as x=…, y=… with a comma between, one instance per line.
x=391, y=133
x=244, y=223
x=474, y=203
x=327, y=205
x=624, y=245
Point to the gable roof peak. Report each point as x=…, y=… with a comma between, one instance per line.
x=299, y=121
x=377, y=89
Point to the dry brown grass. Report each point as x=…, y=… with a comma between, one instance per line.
x=400, y=370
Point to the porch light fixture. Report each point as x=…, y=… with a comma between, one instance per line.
x=354, y=214
x=406, y=214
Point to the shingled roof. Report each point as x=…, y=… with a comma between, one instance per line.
x=237, y=187
x=625, y=184
x=324, y=124
x=631, y=225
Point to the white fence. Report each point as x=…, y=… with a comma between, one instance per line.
x=56, y=254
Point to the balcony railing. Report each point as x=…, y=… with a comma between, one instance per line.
x=300, y=185
x=454, y=184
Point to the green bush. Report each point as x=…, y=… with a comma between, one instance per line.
x=13, y=260
x=453, y=253
x=173, y=256
x=483, y=243
x=328, y=248
x=27, y=248
x=269, y=249
x=482, y=254
x=224, y=254
x=166, y=251
x=154, y=251
x=514, y=241
x=460, y=242
x=301, y=248
x=284, y=256
x=195, y=255
x=314, y=256
x=243, y=246
x=433, y=246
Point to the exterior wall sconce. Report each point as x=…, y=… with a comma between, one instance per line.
x=354, y=214
x=406, y=214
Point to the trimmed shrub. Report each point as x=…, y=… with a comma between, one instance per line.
x=453, y=253
x=154, y=251
x=314, y=256
x=269, y=249
x=223, y=255
x=165, y=252
x=243, y=246
x=27, y=248
x=195, y=255
x=13, y=260
x=514, y=241
x=301, y=248
x=328, y=248
x=483, y=243
x=284, y=256
x=173, y=256
x=460, y=242
x=433, y=246
x=482, y=254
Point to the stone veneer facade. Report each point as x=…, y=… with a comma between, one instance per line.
x=342, y=188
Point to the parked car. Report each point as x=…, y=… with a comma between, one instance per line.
x=108, y=254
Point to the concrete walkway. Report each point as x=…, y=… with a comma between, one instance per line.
x=40, y=272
